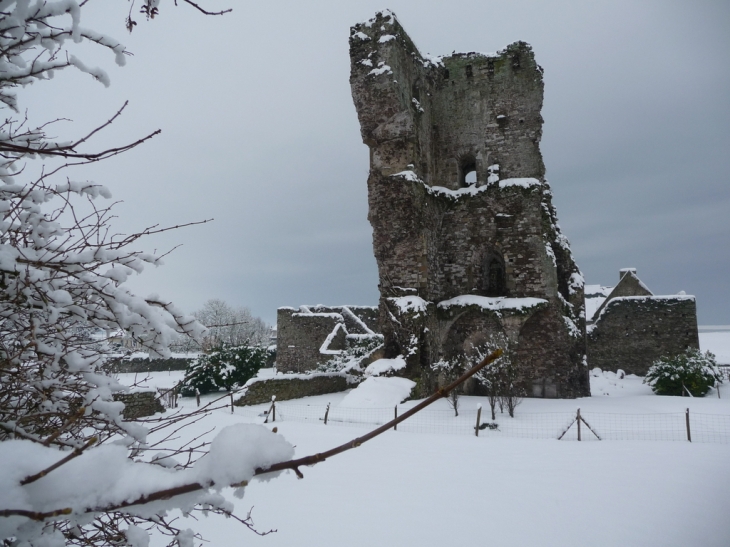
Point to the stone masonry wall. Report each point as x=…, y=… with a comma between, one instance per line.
x=146, y=365
x=302, y=334
x=632, y=332
x=139, y=404
x=293, y=388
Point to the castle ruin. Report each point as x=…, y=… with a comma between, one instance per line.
x=464, y=231
x=465, y=235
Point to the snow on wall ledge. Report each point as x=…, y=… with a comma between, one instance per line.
x=407, y=304
x=473, y=190
x=498, y=303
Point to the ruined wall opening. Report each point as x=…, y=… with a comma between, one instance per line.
x=495, y=281
x=468, y=171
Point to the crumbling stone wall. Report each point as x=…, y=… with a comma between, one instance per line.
x=145, y=364
x=294, y=388
x=632, y=332
x=429, y=123
x=139, y=404
x=311, y=336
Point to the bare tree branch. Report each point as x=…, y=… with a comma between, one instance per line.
x=315, y=458
x=200, y=9
x=77, y=452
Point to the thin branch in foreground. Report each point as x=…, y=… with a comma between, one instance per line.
x=440, y=394
x=291, y=464
x=316, y=458
x=34, y=515
x=77, y=452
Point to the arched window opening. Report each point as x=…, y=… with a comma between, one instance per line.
x=468, y=171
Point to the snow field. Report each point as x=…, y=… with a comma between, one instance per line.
x=405, y=488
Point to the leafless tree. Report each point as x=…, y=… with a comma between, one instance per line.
x=62, y=271
x=500, y=379
x=447, y=371
x=231, y=326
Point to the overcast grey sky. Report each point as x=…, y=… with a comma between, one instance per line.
x=260, y=133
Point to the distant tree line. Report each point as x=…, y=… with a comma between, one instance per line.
x=226, y=326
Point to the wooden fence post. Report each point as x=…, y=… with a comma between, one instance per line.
x=686, y=419
x=272, y=410
x=197, y=397
x=578, y=419
x=326, y=413
x=395, y=413
x=479, y=419
x=231, y=402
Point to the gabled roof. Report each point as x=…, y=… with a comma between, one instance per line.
x=628, y=285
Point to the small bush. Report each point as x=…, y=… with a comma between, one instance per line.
x=691, y=371
x=224, y=368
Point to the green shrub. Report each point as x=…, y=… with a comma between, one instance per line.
x=691, y=371
x=223, y=368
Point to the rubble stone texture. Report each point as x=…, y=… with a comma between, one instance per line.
x=139, y=404
x=310, y=336
x=464, y=231
x=633, y=328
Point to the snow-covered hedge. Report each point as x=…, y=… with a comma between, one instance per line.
x=224, y=368
x=692, y=371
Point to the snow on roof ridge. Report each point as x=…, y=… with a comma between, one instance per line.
x=601, y=290
x=656, y=297
x=610, y=302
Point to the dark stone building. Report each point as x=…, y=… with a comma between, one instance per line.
x=632, y=327
x=464, y=231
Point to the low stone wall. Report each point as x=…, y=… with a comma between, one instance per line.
x=294, y=388
x=145, y=364
x=139, y=404
x=311, y=336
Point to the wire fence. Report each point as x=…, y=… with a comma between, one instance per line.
x=583, y=426
x=724, y=372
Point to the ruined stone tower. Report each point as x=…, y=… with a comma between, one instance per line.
x=464, y=231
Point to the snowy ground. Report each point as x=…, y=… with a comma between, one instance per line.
x=718, y=342
x=406, y=488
